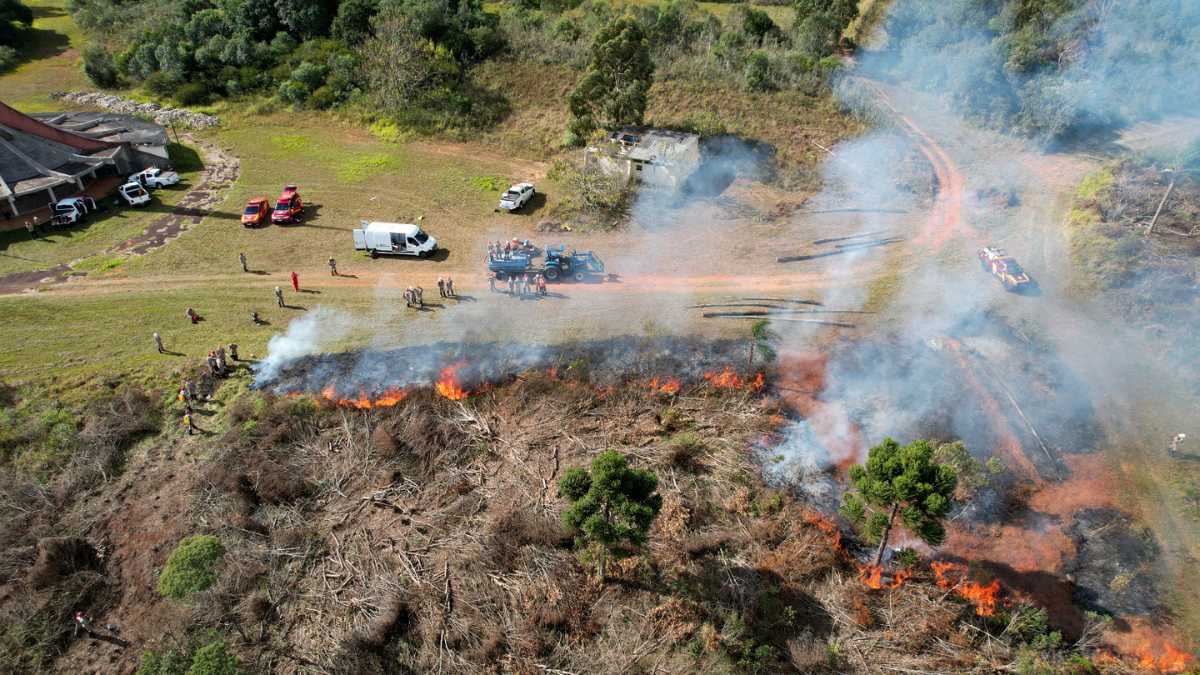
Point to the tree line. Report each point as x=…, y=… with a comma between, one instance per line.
x=15, y=21
x=405, y=58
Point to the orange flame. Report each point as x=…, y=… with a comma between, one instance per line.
x=826, y=526
x=758, y=382
x=448, y=384
x=726, y=379
x=984, y=597
x=667, y=385
x=1167, y=658
x=872, y=576
x=387, y=399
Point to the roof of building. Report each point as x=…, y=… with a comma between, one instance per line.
x=652, y=145
x=35, y=155
x=108, y=127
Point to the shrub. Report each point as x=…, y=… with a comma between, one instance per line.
x=8, y=58
x=99, y=67
x=758, y=72
x=214, y=659
x=192, y=93
x=191, y=567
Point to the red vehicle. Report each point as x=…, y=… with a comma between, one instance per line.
x=289, y=206
x=255, y=214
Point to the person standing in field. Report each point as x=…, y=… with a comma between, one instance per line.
x=158, y=342
x=333, y=267
x=242, y=258
x=278, y=299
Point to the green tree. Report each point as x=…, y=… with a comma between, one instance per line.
x=214, y=659
x=905, y=481
x=762, y=340
x=612, y=506
x=614, y=90
x=191, y=567
x=14, y=19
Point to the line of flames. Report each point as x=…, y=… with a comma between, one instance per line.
x=729, y=379
x=448, y=384
x=666, y=385
x=1165, y=658
x=983, y=596
x=872, y=577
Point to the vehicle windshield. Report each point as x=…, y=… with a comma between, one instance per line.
x=1014, y=268
x=421, y=237
x=511, y=194
x=251, y=209
x=282, y=206
x=64, y=208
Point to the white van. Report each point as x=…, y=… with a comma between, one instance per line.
x=393, y=239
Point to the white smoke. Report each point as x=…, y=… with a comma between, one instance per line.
x=306, y=335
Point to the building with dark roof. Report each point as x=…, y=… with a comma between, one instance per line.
x=48, y=157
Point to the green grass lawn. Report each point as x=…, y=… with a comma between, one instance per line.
x=51, y=65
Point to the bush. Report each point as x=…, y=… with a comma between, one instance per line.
x=214, y=659
x=8, y=58
x=191, y=567
x=758, y=72
x=192, y=93
x=99, y=67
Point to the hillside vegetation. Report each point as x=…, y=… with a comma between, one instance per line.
x=431, y=535
x=1048, y=68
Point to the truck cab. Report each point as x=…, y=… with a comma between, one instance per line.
x=573, y=265
x=393, y=239
x=72, y=210
x=289, y=206
x=134, y=194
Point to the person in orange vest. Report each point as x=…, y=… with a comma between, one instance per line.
x=296, y=282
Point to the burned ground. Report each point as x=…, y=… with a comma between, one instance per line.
x=425, y=535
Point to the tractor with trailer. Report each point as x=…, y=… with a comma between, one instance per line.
x=558, y=265
x=1002, y=266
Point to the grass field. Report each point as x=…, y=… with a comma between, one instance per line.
x=99, y=326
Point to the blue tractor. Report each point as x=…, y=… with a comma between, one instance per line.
x=558, y=265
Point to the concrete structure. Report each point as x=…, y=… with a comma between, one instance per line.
x=653, y=156
x=44, y=160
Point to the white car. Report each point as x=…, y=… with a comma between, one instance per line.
x=72, y=210
x=517, y=196
x=155, y=178
x=134, y=194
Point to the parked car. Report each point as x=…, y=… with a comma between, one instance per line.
x=155, y=177
x=517, y=196
x=72, y=210
x=289, y=206
x=256, y=212
x=393, y=239
x=134, y=194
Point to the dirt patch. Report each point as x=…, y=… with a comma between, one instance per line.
x=24, y=281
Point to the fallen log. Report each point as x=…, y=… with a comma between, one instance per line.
x=842, y=248
x=840, y=324
x=830, y=240
x=793, y=301
x=785, y=311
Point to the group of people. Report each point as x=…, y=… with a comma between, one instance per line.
x=521, y=285
x=187, y=394
x=414, y=296
x=218, y=365
x=498, y=251
x=446, y=287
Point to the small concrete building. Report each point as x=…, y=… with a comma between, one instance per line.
x=44, y=160
x=653, y=156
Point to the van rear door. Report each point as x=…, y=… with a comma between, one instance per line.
x=360, y=240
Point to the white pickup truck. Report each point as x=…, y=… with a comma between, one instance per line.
x=72, y=210
x=155, y=178
x=134, y=194
x=517, y=196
